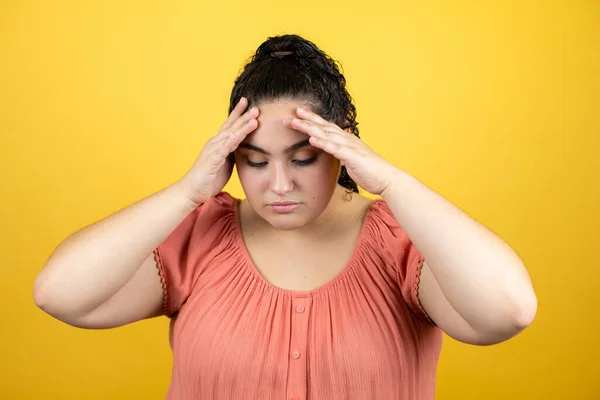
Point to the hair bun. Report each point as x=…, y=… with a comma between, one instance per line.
x=281, y=54
x=292, y=46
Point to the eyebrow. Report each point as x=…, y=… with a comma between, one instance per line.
x=289, y=149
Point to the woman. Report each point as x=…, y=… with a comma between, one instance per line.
x=305, y=289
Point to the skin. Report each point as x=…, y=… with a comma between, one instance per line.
x=277, y=163
x=472, y=284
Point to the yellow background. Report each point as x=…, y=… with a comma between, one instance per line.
x=496, y=105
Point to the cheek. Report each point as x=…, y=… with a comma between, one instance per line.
x=249, y=177
x=324, y=175
x=331, y=167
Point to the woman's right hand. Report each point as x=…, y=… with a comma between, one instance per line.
x=213, y=167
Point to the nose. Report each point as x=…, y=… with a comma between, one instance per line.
x=282, y=181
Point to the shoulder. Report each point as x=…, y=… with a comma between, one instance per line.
x=375, y=213
x=223, y=200
x=215, y=214
x=378, y=222
x=360, y=206
x=222, y=203
x=379, y=211
x=384, y=227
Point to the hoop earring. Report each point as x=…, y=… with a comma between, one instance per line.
x=348, y=195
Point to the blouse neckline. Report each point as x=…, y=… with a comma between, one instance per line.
x=249, y=264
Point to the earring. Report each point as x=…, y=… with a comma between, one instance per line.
x=348, y=195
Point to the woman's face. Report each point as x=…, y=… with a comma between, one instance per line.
x=277, y=164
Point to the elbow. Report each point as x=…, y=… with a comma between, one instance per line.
x=45, y=298
x=39, y=296
x=526, y=310
x=521, y=295
x=45, y=301
x=517, y=315
x=520, y=300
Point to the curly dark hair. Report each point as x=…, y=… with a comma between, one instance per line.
x=291, y=67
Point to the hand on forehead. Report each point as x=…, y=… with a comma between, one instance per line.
x=274, y=133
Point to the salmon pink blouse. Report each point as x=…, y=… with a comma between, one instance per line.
x=362, y=335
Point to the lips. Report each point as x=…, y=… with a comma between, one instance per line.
x=283, y=203
x=283, y=207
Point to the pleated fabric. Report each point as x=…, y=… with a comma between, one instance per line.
x=362, y=335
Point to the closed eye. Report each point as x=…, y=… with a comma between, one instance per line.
x=297, y=162
x=305, y=162
x=256, y=165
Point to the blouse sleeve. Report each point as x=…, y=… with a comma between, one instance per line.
x=179, y=256
x=400, y=251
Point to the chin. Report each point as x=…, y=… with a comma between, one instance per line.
x=286, y=222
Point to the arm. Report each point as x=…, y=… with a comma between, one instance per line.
x=473, y=285
x=105, y=275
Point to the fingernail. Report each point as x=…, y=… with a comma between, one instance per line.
x=300, y=109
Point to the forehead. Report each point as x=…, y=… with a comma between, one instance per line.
x=271, y=133
x=275, y=111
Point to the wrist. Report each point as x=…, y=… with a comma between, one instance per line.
x=395, y=178
x=182, y=197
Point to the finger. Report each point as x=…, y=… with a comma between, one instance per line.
x=328, y=132
x=235, y=138
x=341, y=152
x=236, y=112
x=241, y=121
x=224, y=148
x=311, y=116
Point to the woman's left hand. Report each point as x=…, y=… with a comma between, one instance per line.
x=369, y=170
